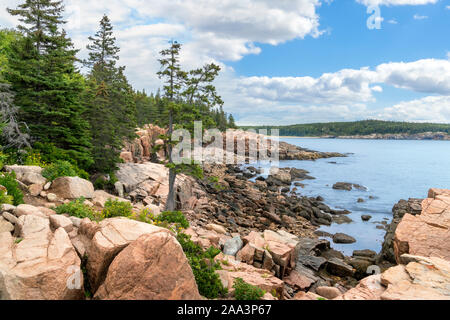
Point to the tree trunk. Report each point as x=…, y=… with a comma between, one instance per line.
x=171, y=203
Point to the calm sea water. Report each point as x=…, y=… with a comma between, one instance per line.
x=391, y=170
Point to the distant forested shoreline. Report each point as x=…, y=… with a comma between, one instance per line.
x=357, y=128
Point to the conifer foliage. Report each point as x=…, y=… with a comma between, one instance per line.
x=42, y=73
x=109, y=98
x=48, y=107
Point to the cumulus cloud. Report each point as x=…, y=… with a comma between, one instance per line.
x=396, y=2
x=345, y=93
x=350, y=85
x=425, y=76
x=428, y=109
x=340, y=87
x=212, y=31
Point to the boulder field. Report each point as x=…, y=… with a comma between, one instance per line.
x=267, y=237
x=141, y=149
x=419, y=243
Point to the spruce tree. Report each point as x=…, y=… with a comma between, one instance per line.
x=174, y=79
x=231, y=122
x=109, y=99
x=42, y=73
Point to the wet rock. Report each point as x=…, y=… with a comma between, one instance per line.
x=366, y=217
x=339, y=268
x=341, y=219
x=343, y=238
x=348, y=186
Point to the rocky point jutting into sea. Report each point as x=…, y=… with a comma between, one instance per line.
x=267, y=234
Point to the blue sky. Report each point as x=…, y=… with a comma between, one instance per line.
x=289, y=61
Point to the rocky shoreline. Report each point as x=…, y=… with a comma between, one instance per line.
x=400, y=136
x=267, y=234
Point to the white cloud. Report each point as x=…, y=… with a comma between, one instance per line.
x=419, y=17
x=228, y=30
x=428, y=109
x=392, y=21
x=396, y=2
x=447, y=7
x=350, y=85
x=425, y=76
x=210, y=30
x=346, y=92
x=336, y=88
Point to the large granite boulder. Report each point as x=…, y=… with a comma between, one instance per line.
x=427, y=234
x=27, y=174
x=40, y=265
x=109, y=238
x=419, y=278
x=72, y=188
x=153, y=267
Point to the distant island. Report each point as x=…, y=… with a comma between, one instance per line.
x=367, y=129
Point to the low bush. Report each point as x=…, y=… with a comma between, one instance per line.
x=175, y=217
x=77, y=208
x=245, y=291
x=5, y=198
x=115, y=208
x=34, y=158
x=63, y=168
x=203, y=267
x=146, y=216
x=8, y=180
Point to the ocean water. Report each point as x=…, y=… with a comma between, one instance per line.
x=390, y=169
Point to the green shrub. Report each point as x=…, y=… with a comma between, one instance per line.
x=203, y=267
x=78, y=209
x=176, y=217
x=8, y=180
x=34, y=158
x=63, y=168
x=5, y=198
x=145, y=215
x=245, y=291
x=116, y=208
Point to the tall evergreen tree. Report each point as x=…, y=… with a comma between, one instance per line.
x=174, y=79
x=41, y=71
x=231, y=122
x=109, y=99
